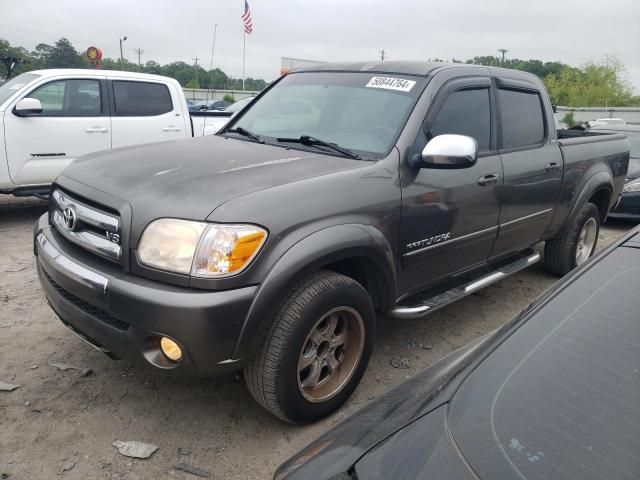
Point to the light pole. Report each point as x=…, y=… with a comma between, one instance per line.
x=121, y=54
x=503, y=51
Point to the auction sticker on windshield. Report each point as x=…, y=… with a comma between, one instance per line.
x=391, y=83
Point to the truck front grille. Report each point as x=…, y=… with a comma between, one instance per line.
x=91, y=228
x=87, y=308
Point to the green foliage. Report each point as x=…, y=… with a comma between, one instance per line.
x=568, y=119
x=595, y=84
x=229, y=98
x=63, y=55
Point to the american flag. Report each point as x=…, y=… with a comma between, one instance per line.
x=246, y=18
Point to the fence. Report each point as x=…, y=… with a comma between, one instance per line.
x=200, y=95
x=584, y=114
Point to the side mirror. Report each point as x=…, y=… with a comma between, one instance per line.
x=448, y=151
x=27, y=107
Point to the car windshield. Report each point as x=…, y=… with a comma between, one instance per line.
x=362, y=112
x=560, y=398
x=7, y=89
x=239, y=105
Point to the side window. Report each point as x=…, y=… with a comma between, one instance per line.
x=141, y=99
x=466, y=112
x=521, y=118
x=69, y=98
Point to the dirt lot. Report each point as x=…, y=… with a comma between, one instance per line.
x=62, y=420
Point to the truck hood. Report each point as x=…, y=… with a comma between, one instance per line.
x=190, y=178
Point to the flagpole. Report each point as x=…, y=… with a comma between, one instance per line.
x=244, y=47
x=213, y=47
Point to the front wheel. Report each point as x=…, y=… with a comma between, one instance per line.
x=316, y=350
x=576, y=243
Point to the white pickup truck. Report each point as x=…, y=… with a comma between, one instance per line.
x=48, y=118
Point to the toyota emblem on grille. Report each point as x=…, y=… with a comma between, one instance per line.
x=69, y=218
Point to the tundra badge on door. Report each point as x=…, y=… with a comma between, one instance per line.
x=429, y=241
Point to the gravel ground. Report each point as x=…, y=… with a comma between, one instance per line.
x=63, y=422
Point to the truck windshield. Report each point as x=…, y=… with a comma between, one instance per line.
x=12, y=86
x=361, y=112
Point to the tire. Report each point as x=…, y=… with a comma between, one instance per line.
x=275, y=378
x=561, y=253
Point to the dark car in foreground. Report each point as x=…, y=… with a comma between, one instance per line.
x=629, y=205
x=554, y=394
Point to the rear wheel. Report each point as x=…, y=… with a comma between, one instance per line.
x=576, y=243
x=316, y=350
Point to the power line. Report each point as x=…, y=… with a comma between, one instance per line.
x=139, y=51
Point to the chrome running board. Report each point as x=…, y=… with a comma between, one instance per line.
x=425, y=307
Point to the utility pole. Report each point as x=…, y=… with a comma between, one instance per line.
x=121, y=54
x=139, y=51
x=196, y=68
x=503, y=50
x=382, y=55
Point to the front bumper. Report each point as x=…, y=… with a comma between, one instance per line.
x=125, y=316
x=628, y=207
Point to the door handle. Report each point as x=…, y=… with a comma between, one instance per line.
x=95, y=130
x=171, y=129
x=489, y=179
x=552, y=167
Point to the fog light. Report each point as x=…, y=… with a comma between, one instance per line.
x=170, y=349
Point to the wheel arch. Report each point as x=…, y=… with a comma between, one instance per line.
x=361, y=252
x=598, y=189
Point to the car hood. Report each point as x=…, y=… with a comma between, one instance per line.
x=191, y=178
x=340, y=448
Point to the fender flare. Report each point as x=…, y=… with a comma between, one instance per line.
x=309, y=254
x=598, y=181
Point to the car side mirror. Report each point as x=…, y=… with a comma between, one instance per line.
x=448, y=151
x=27, y=107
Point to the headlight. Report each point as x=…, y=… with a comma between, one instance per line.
x=632, y=186
x=200, y=249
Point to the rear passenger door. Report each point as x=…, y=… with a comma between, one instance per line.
x=450, y=217
x=532, y=165
x=144, y=112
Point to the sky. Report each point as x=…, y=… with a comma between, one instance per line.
x=570, y=31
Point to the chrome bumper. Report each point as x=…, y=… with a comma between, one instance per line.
x=72, y=269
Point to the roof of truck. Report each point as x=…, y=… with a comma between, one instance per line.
x=411, y=68
x=57, y=72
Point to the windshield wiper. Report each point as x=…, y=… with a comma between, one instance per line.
x=316, y=142
x=246, y=133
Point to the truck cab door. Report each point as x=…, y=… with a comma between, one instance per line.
x=74, y=121
x=449, y=217
x=146, y=112
x=532, y=164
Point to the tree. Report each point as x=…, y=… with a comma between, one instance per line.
x=60, y=55
x=595, y=84
x=192, y=84
x=152, y=67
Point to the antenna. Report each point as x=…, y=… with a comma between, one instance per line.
x=213, y=47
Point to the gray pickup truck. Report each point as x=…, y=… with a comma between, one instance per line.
x=344, y=189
